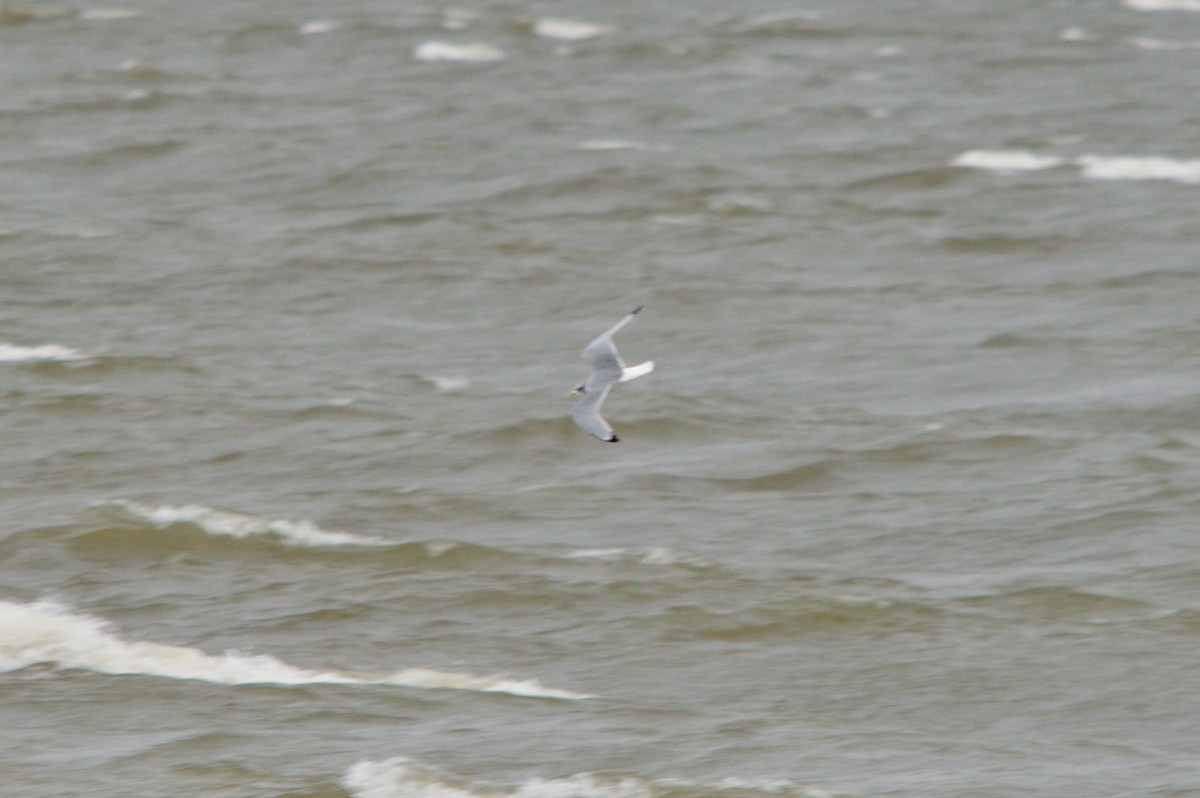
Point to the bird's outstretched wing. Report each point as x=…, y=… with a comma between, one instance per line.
x=586, y=414
x=607, y=365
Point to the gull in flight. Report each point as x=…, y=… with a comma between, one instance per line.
x=607, y=370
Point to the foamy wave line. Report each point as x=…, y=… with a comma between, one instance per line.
x=1163, y=5
x=1095, y=167
x=45, y=632
x=1140, y=168
x=569, y=30
x=1146, y=43
x=1006, y=160
x=651, y=556
x=475, y=53
x=55, y=353
x=224, y=523
x=402, y=777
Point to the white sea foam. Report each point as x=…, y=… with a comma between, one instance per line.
x=223, y=523
x=402, y=777
x=1006, y=160
x=605, y=145
x=47, y=633
x=318, y=26
x=657, y=555
x=1140, y=168
x=107, y=14
x=476, y=53
x=566, y=30
x=448, y=384
x=55, y=353
x=1164, y=44
x=1095, y=167
x=1163, y=5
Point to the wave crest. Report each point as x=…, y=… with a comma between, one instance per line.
x=47, y=633
x=403, y=777
x=226, y=523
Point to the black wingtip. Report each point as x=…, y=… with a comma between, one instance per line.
x=614, y=439
x=635, y=310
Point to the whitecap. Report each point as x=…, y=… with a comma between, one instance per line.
x=107, y=14
x=606, y=145
x=439, y=548
x=1163, y=5
x=224, y=523
x=10, y=353
x=1006, y=160
x=47, y=633
x=566, y=30
x=318, y=26
x=404, y=777
x=448, y=384
x=1164, y=44
x=676, y=220
x=1140, y=168
x=656, y=555
x=476, y=53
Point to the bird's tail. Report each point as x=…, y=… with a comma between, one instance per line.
x=631, y=372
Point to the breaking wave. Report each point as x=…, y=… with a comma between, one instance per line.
x=402, y=777
x=225, y=523
x=47, y=633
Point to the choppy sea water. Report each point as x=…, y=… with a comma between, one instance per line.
x=290, y=504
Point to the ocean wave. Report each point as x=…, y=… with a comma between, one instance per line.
x=1148, y=43
x=475, y=53
x=657, y=555
x=770, y=622
x=52, y=353
x=47, y=633
x=318, y=26
x=1057, y=603
x=834, y=469
x=1093, y=167
x=403, y=777
x=225, y=523
x=566, y=30
x=1006, y=160
x=121, y=528
x=447, y=384
x=107, y=14
x=1140, y=168
x=798, y=22
x=1163, y=5
x=818, y=475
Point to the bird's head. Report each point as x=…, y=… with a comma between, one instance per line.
x=577, y=390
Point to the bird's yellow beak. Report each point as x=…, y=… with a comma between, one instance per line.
x=572, y=392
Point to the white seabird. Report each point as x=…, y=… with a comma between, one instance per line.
x=607, y=370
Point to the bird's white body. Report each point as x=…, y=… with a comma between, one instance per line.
x=607, y=370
